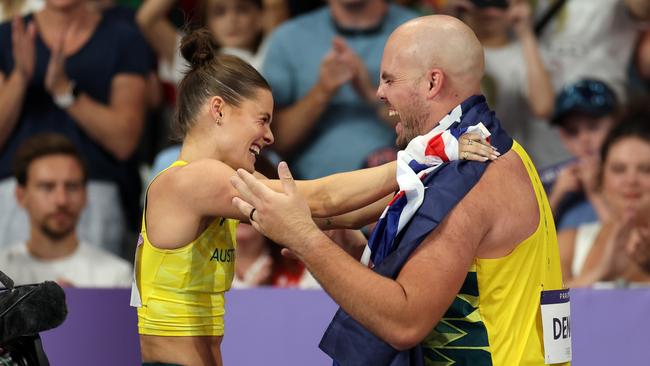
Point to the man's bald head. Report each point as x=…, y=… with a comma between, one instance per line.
x=442, y=42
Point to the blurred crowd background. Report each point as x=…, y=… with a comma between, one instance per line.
x=87, y=90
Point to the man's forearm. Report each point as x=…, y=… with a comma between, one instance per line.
x=376, y=302
x=12, y=95
x=292, y=124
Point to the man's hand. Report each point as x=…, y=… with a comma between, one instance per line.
x=335, y=70
x=361, y=80
x=24, y=50
x=56, y=81
x=283, y=217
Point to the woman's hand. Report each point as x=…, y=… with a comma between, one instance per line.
x=471, y=146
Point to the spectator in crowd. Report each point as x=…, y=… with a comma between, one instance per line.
x=591, y=39
x=516, y=82
x=69, y=69
x=52, y=188
x=322, y=66
x=237, y=28
x=11, y=8
x=618, y=248
x=585, y=112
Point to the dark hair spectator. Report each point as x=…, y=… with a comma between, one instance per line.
x=52, y=190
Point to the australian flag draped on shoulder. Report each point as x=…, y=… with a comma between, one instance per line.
x=432, y=181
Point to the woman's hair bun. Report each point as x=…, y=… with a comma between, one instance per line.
x=198, y=47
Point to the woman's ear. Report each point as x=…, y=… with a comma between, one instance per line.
x=216, y=109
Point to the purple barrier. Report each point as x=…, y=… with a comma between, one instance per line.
x=283, y=327
x=610, y=327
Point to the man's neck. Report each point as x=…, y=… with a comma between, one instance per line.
x=441, y=109
x=366, y=15
x=44, y=248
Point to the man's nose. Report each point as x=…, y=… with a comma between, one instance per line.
x=380, y=92
x=60, y=195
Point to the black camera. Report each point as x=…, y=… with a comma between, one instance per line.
x=24, y=351
x=24, y=312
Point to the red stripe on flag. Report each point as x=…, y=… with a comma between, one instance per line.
x=397, y=196
x=436, y=147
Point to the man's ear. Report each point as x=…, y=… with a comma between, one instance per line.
x=20, y=195
x=435, y=80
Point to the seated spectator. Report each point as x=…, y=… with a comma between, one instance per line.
x=516, y=82
x=52, y=189
x=81, y=74
x=616, y=249
x=323, y=67
x=585, y=112
x=236, y=25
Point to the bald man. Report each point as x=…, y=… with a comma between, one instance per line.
x=460, y=280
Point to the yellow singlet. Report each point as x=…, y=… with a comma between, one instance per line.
x=181, y=291
x=496, y=319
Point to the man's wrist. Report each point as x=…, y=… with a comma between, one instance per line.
x=306, y=239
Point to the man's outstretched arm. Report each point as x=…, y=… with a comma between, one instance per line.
x=401, y=311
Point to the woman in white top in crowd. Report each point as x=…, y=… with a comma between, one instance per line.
x=617, y=250
x=238, y=27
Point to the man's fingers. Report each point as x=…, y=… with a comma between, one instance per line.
x=244, y=190
x=246, y=208
x=254, y=185
x=288, y=184
x=338, y=44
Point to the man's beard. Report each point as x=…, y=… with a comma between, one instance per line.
x=412, y=126
x=54, y=233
